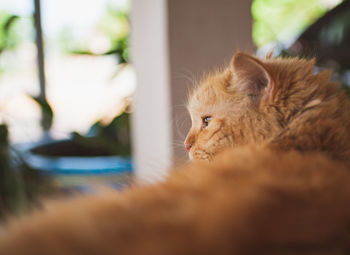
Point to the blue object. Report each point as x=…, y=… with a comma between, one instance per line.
x=100, y=165
x=68, y=165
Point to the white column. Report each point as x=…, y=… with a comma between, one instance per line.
x=151, y=123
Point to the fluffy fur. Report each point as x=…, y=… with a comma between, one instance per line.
x=277, y=103
x=274, y=204
x=282, y=187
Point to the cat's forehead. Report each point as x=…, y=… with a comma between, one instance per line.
x=209, y=87
x=203, y=95
x=209, y=97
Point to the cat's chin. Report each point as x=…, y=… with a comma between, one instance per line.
x=200, y=155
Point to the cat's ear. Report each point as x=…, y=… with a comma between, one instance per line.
x=250, y=76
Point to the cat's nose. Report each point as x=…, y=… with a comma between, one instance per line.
x=188, y=146
x=189, y=141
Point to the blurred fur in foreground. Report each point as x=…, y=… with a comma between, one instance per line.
x=278, y=203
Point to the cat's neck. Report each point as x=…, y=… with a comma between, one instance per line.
x=320, y=125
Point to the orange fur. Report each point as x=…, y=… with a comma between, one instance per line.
x=280, y=186
x=296, y=109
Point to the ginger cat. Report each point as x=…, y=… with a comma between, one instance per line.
x=280, y=186
x=278, y=103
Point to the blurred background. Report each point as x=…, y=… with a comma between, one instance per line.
x=93, y=92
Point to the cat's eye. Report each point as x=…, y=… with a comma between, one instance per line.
x=205, y=121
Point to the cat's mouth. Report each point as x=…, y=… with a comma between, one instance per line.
x=200, y=155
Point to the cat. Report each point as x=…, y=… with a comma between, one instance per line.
x=277, y=103
x=270, y=175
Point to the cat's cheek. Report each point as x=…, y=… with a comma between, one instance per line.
x=199, y=154
x=193, y=153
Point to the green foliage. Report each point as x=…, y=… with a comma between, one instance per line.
x=11, y=189
x=120, y=48
x=113, y=138
x=9, y=39
x=46, y=112
x=114, y=25
x=20, y=185
x=283, y=20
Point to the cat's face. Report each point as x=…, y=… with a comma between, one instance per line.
x=240, y=105
x=209, y=107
